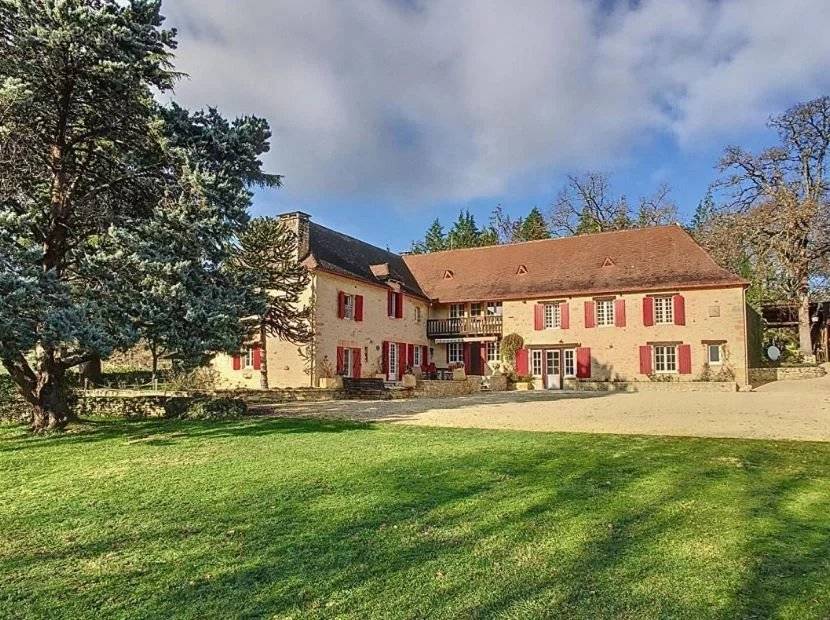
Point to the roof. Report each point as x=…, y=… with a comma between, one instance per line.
x=657, y=258
x=338, y=253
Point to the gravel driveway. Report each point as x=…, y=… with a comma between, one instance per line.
x=797, y=410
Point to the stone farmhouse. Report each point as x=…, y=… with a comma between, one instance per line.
x=635, y=305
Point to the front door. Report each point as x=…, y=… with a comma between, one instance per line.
x=553, y=369
x=392, y=375
x=475, y=358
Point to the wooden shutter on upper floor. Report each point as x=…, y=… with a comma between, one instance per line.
x=341, y=304
x=590, y=320
x=358, y=307
x=538, y=317
x=399, y=306
x=648, y=311
x=619, y=312
x=679, y=310
x=565, y=315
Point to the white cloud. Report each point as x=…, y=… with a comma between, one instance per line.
x=455, y=99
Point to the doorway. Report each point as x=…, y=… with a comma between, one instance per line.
x=475, y=358
x=553, y=369
x=392, y=374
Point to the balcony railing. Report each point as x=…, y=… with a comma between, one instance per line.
x=465, y=326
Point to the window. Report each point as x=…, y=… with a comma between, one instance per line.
x=348, y=306
x=249, y=356
x=553, y=316
x=536, y=366
x=475, y=309
x=665, y=358
x=348, y=362
x=455, y=353
x=570, y=362
x=714, y=353
x=417, y=314
x=416, y=358
x=663, y=310
x=494, y=308
x=493, y=351
x=456, y=311
x=605, y=312
x=393, y=304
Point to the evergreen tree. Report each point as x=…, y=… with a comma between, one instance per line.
x=532, y=227
x=434, y=240
x=466, y=234
x=267, y=257
x=108, y=203
x=704, y=212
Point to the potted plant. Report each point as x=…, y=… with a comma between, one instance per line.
x=523, y=383
x=458, y=372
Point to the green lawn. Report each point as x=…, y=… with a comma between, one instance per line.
x=306, y=519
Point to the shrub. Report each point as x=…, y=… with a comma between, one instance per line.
x=510, y=346
x=193, y=380
x=208, y=408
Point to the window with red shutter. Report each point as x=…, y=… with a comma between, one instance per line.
x=237, y=362
x=648, y=311
x=679, y=310
x=565, y=315
x=619, y=312
x=358, y=307
x=538, y=317
x=399, y=306
x=583, y=363
x=257, y=355
x=590, y=320
x=645, y=360
x=684, y=359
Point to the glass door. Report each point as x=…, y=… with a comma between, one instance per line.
x=553, y=369
x=393, y=362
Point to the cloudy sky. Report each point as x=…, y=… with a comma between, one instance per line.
x=388, y=113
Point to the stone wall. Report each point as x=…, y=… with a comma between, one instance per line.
x=132, y=404
x=441, y=389
x=650, y=386
x=759, y=376
x=287, y=395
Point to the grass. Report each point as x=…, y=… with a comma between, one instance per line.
x=311, y=519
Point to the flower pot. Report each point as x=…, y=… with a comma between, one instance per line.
x=330, y=383
x=522, y=387
x=459, y=374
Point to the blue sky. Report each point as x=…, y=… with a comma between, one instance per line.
x=389, y=113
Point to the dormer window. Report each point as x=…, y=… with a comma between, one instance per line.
x=521, y=270
x=448, y=275
x=608, y=262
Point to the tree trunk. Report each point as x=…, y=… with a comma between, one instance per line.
x=263, y=357
x=805, y=343
x=155, y=363
x=51, y=411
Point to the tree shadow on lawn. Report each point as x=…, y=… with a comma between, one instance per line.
x=612, y=528
x=160, y=431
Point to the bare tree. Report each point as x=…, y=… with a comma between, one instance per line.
x=782, y=194
x=587, y=204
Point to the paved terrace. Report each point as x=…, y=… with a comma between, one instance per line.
x=796, y=410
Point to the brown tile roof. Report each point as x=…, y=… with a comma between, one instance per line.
x=658, y=258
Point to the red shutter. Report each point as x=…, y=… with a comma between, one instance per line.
x=389, y=303
x=340, y=361
x=384, y=363
x=257, y=358
x=679, y=310
x=483, y=351
x=410, y=355
x=521, y=362
x=565, y=315
x=399, y=306
x=401, y=358
x=357, y=371
x=538, y=317
x=237, y=362
x=648, y=311
x=467, y=356
x=684, y=359
x=645, y=360
x=583, y=362
x=424, y=356
x=358, y=307
x=589, y=314
x=619, y=312
x=341, y=304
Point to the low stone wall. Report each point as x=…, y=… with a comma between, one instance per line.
x=286, y=395
x=650, y=386
x=759, y=376
x=497, y=383
x=441, y=389
x=131, y=404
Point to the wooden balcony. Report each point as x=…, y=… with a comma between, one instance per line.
x=465, y=326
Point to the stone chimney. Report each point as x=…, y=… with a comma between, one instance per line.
x=298, y=223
